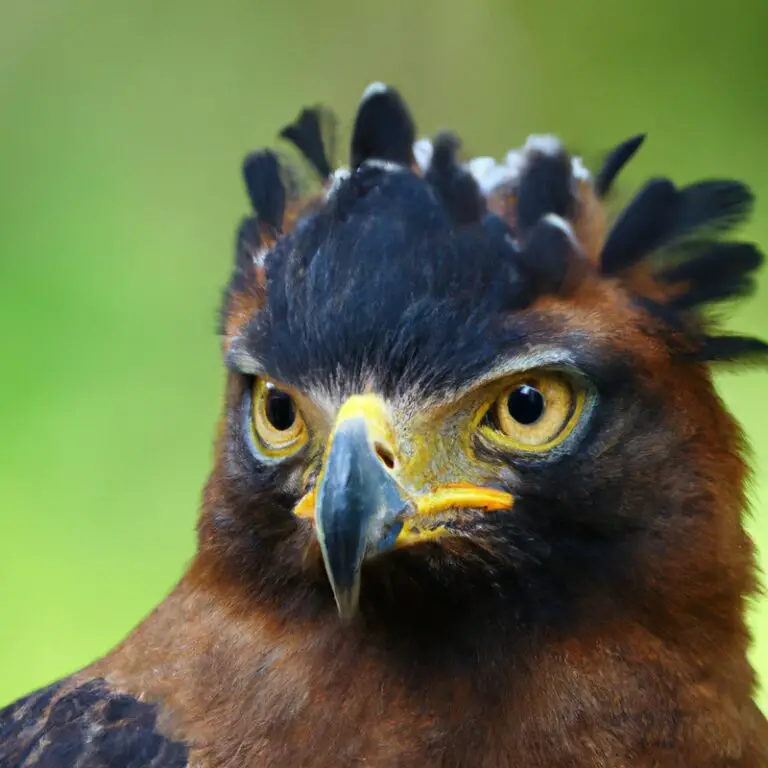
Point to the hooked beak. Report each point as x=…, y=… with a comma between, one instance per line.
x=359, y=507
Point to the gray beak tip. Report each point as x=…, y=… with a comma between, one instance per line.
x=347, y=602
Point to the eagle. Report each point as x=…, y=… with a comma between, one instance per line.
x=475, y=501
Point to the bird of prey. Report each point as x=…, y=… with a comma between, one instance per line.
x=475, y=500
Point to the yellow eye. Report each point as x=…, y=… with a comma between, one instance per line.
x=277, y=425
x=536, y=412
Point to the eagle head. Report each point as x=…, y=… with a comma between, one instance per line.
x=460, y=385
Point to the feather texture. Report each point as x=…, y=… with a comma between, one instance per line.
x=261, y=171
x=84, y=724
x=616, y=160
x=384, y=129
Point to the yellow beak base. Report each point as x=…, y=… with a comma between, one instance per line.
x=359, y=507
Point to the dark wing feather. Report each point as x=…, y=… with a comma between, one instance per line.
x=84, y=725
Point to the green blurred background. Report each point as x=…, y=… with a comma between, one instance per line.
x=122, y=127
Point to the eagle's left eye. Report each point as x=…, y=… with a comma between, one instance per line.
x=535, y=412
x=276, y=422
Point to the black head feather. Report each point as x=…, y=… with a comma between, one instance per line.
x=641, y=227
x=380, y=265
x=454, y=185
x=710, y=293
x=545, y=186
x=713, y=206
x=732, y=349
x=617, y=158
x=261, y=171
x=385, y=213
x=706, y=271
x=499, y=238
x=722, y=271
x=247, y=244
x=313, y=134
x=384, y=129
x=661, y=215
x=546, y=254
x=498, y=229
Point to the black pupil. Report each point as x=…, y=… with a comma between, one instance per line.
x=525, y=404
x=280, y=410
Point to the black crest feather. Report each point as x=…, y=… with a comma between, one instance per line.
x=454, y=185
x=715, y=206
x=384, y=128
x=448, y=244
x=661, y=215
x=313, y=133
x=642, y=226
x=498, y=229
x=722, y=271
x=546, y=254
x=546, y=186
x=617, y=158
x=261, y=171
x=732, y=349
x=247, y=244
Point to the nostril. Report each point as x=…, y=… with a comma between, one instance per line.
x=386, y=456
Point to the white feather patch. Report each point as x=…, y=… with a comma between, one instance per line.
x=374, y=89
x=558, y=221
x=422, y=152
x=546, y=143
x=489, y=174
x=515, y=160
x=385, y=165
x=259, y=256
x=338, y=177
x=579, y=170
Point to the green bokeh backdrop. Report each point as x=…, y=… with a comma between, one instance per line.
x=122, y=126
